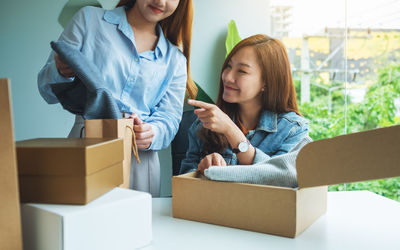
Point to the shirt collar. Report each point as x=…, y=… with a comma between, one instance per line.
x=117, y=16
x=162, y=44
x=268, y=121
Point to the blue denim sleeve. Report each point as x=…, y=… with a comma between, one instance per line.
x=289, y=134
x=296, y=134
x=193, y=154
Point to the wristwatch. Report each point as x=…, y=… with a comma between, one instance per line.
x=242, y=147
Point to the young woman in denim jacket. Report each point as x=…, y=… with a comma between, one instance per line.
x=256, y=116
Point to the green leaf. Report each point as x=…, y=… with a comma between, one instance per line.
x=232, y=37
x=202, y=95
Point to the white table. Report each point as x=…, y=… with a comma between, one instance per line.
x=354, y=220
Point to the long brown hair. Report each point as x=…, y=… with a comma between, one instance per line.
x=279, y=95
x=178, y=30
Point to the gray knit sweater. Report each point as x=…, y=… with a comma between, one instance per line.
x=87, y=95
x=276, y=171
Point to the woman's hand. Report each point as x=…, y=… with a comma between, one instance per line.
x=212, y=117
x=143, y=132
x=62, y=67
x=213, y=159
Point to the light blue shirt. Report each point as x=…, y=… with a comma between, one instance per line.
x=150, y=84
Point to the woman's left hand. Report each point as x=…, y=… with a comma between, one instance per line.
x=213, y=159
x=143, y=132
x=211, y=116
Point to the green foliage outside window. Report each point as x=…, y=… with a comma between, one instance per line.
x=375, y=111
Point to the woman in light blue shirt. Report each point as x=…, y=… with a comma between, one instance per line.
x=135, y=46
x=256, y=116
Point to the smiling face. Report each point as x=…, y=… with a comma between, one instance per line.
x=242, y=78
x=154, y=11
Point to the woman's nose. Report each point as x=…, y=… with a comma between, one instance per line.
x=160, y=2
x=228, y=76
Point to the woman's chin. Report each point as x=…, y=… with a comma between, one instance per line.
x=228, y=98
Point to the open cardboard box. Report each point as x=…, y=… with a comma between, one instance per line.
x=367, y=155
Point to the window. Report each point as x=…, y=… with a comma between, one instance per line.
x=345, y=58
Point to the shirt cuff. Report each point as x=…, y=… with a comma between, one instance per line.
x=156, y=144
x=57, y=78
x=260, y=156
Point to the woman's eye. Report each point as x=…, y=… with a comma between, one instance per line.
x=242, y=71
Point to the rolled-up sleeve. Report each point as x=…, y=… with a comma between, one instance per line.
x=168, y=112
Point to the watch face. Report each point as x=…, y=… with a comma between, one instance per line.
x=243, y=146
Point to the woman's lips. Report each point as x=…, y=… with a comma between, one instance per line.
x=230, y=88
x=155, y=9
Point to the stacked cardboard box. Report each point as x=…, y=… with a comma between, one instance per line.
x=68, y=170
x=80, y=172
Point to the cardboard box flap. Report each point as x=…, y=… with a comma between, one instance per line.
x=373, y=154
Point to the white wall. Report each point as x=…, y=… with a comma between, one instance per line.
x=210, y=25
x=26, y=29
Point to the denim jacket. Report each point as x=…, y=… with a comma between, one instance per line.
x=275, y=134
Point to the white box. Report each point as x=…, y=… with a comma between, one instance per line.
x=119, y=219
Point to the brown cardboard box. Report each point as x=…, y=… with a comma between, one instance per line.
x=10, y=219
x=68, y=170
x=287, y=212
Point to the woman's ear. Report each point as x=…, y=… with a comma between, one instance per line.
x=263, y=88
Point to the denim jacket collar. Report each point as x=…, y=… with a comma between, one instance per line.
x=117, y=16
x=268, y=121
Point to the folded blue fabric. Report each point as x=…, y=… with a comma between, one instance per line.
x=276, y=171
x=87, y=94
